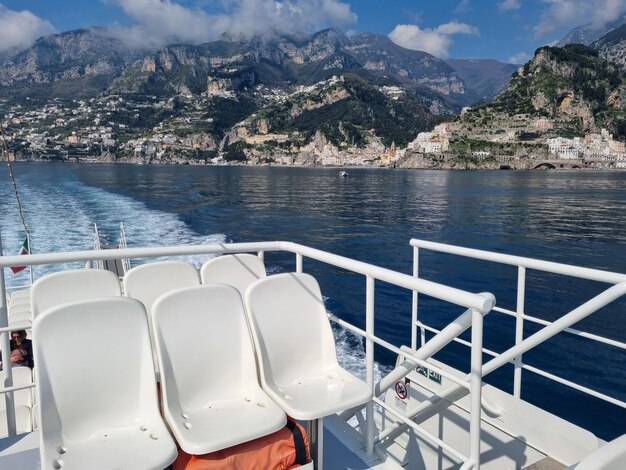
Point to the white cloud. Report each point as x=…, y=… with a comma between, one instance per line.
x=570, y=13
x=519, y=58
x=435, y=41
x=160, y=22
x=20, y=29
x=507, y=5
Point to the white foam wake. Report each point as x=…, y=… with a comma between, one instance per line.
x=61, y=217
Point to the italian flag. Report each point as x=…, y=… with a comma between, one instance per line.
x=23, y=251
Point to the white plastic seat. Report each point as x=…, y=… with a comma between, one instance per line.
x=23, y=420
x=20, y=301
x=22, y=400
x=23, y=320
x=20, y=294
x=148, y=282
x=74, y=285
x=96, y=392
x=238, y=270
x=296, y=350
x=210, y=391
x=21, y=376
x=18, y=309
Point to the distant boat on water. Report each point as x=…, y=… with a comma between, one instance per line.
x=343, y=174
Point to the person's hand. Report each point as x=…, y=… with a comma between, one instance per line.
x=17, y=355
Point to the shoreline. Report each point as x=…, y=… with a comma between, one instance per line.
x=317, y=166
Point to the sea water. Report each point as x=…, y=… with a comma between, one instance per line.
x=569, y=217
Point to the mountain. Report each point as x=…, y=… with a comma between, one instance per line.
x=87, y=63
x=78, y=63
x=486, y=78
x=348, y=111
x=612, y=46
x=588, y=33
x=573, y=87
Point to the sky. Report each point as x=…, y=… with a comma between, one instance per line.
x=506, y=30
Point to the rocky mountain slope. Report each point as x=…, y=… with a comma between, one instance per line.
x=612, y=46
x=77, y=63
x=588, y=33
x=573, y=86
x=347, y=111
x=86, y=63
x=486, y=78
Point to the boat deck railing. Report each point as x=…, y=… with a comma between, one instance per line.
x=476, y=305
x=523, y=264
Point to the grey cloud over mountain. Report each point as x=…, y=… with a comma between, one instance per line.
x=20, y=29
x=158, y=22
x=563, y=13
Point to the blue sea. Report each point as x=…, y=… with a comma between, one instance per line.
x=569, y=217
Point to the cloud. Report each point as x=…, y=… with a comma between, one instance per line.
x=435, y=41
x=569, y=13
x=519, y=58
x=159, y=22
x=508, y=5
x=462, y=6
x=20, y=29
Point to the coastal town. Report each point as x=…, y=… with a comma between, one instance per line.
x=118, y=129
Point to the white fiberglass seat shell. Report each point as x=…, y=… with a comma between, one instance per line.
x=96, y=390
x=20, y=309
x=296, y=349
x=610, y=456
x=73, y=285
x=22, y=400
x=20, y=294
x=238, y=270
x=148, y=282
x=210, y=390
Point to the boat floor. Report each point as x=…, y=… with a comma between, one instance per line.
x=341, y=450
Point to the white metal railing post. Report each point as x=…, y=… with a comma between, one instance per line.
x=5, y=347
x=414, y=326
x=476, y=380
x=519, y=329
x=298, y=263
x=369, y=361
x=261, y=255
x=30, y=250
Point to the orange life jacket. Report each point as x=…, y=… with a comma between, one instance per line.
x=284, y=449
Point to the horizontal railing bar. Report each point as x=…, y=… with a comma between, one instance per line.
x=16, y=326
x=482, y=303
x=532, y=263
x=433, y=289
x=421, y=430
x=118, y=253
x=16, y=388
x=580, y=388
x=572, y=331
x=400, y=352
x=541, y=372
x=458, y=340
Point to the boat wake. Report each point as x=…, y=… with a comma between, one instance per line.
x=61, y=217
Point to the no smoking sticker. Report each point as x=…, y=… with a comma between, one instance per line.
x=402, y=389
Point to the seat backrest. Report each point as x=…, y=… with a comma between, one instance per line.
x=149, y=281
x=21, y=376
x=238, y=270
x=100, y=377
x=203, y=345
x=290, y=327
x=70, y=286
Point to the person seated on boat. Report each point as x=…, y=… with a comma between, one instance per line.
x=21, y=349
